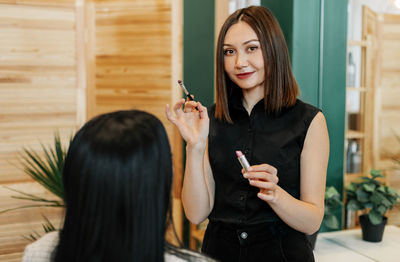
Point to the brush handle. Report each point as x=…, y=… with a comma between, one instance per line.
x=189, y=96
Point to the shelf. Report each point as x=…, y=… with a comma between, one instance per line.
x=352, y=134
x=354, y=174
x=363, y=43
x=357, y=89
x=350, y=177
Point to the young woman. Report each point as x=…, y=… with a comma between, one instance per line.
x=117, y=181
x=261, y=214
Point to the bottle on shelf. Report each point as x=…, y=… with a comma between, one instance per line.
x=351, y=72
x=353, y=163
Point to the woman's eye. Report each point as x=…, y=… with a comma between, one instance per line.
x=229, y=52
x=252, y=48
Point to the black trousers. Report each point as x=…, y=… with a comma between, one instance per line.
x=266, y=242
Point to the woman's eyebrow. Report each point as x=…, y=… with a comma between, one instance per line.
x=248, y=41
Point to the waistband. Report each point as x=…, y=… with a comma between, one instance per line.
x=247, y=234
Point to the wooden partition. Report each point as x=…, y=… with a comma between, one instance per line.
x=387, y=106
x=38, y=96
x=386, y=142
x=63, y=62
x=134, y=60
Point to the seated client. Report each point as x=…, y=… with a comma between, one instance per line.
x=117, y=180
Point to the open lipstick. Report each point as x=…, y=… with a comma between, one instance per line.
x=243, y=161
x=188, y=95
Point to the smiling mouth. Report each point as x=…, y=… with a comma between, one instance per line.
x=244, y=75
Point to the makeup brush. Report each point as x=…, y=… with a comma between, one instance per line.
x=188, y=95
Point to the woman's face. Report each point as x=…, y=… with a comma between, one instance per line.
x=243, y=58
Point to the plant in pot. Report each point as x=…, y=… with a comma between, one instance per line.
x=374, y=198
x=332, y=203
x=47, y=171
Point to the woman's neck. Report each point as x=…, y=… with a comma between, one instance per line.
x=251, y=97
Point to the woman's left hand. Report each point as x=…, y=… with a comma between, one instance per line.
x=264, y=177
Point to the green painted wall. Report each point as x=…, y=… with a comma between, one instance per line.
x=283, y=10
x=334, y=85
x=319, y=64
x=306, y=49
x=198, y=58
x=198, y=49
x=302, y=34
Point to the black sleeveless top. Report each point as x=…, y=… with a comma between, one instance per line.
x=275, y=139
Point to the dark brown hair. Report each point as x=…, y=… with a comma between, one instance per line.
x=280, y=86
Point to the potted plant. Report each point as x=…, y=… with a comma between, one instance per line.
x=47, y=171
x=332, y=203
x=374, y=198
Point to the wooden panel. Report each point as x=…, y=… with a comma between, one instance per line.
x=387, y=110
x=127, y=53
x=37, y=80
x=135, y=60
x=388, y=88
x=46, y=3
x=16, y=225
x=136, y=71
x=38, y=96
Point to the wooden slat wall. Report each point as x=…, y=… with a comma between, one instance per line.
x=58, y=56
x=388, y=90
x=38, y=96
x=387, y=108
x=37, y=80
x=135, y=61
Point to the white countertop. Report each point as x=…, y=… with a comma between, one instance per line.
x=347, y=245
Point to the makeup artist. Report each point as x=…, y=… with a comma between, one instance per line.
x=262, y=214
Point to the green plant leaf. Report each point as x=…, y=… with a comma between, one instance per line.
x=376, y=173
x=28, y=206
x=331, y=192
x=351, y=188
x=375, y=217
x=331, y=222
x=369, y=187
x=47, y=171
x=353, y=205
x=48, y=227
x=31, y=197
x=377, y=197
x=32, y=237
x=381, y=210
x=381, y=189
x=362, y=196
x=368, y=205
x=392, y=191
x=387, y=203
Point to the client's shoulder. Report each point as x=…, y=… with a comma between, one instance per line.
x=42, y=249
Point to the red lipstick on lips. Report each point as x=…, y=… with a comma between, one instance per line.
x=244, y=75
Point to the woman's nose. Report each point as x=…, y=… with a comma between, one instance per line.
x=241, y=60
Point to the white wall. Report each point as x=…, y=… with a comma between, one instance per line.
x=354, y=28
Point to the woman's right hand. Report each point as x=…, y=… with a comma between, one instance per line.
x=193, y=122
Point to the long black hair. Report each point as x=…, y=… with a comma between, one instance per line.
x=117, y=181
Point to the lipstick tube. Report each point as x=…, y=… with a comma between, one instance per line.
x=243, y=161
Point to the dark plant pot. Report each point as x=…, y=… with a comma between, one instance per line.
x=312, y=238
x=371, y=232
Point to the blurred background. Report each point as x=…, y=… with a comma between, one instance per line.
x=63, y=62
